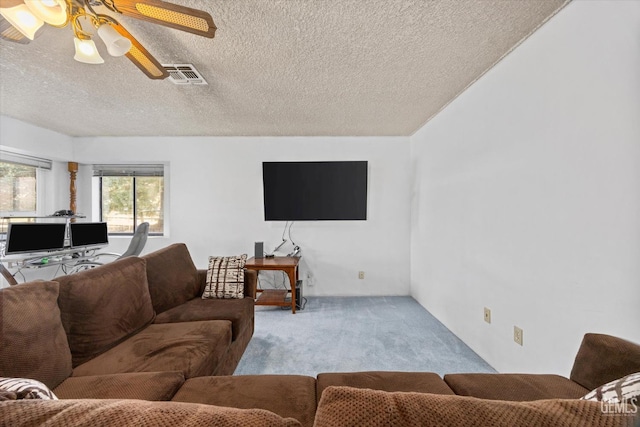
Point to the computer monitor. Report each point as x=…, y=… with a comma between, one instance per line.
x=88, y=234
x=35, y=237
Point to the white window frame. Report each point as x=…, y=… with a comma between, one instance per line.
x=43, y=170
x=96, y=190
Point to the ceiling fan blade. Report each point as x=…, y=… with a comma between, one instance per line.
x=10, y=33
x=10, y=3
x=141, y=57
x=171, y=15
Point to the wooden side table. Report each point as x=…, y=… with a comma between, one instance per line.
x=276, y=297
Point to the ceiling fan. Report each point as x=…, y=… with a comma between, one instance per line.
x=22, y=18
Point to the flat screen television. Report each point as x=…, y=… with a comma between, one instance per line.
x=315, y=191
x=87, y=234
x=39, y=237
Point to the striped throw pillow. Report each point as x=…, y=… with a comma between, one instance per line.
x=225, y=277
x=24, y=388
x=617, y=391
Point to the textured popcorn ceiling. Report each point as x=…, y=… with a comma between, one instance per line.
x=275, y=68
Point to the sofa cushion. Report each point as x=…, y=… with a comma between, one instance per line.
x=34, y=343
x=515, y=387
x=135, y=385
x=132, y=413
x=618, y=391
x=193, y=348
x=24, y=388
x=347, y=406
x=103, y=306
x=225, y=277
x=239, y=311
x=603, y=358
x=422, y=382
x=172, y=277
x=286, y=395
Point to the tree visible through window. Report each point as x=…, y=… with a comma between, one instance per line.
x=18, y=192
x=17, y=188
x=127, y=200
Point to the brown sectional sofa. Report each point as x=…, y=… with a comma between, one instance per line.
x=600, y=359
x=138, y=329
x=339, y=407
x=133, y=328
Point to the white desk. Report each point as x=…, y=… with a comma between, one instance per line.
x=70, y=257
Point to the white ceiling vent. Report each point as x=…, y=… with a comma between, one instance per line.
x=184, y=74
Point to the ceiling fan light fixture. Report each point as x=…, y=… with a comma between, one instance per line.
x=117, y=45
x=10, y=33
x=22, y=19
x=142, y=58
x=53, y=12
x=87, y=52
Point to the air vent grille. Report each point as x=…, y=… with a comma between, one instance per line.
x=184, y=74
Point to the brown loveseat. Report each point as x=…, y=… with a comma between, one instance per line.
x=183, y=349
x=135, y=328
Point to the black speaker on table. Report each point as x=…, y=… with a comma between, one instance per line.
x=259, y=250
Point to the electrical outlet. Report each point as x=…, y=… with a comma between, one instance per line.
x=517, y=335
x=487, y=315
x=361, y=275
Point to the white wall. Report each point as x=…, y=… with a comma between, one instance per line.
x=215, y=187
x=53, y=185
x=20, y=137
x=32, y=140
x=526, y=194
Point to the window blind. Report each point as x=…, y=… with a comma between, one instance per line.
x=22, y=159
x=128, y=170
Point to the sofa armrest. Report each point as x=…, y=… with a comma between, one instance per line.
x=202, y=280
x=604, y=358
x=250, y=282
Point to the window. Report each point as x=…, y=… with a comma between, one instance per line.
x=131, y=195
x=19, y=184
x=17, y=188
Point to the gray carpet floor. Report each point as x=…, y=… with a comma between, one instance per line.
x=346, y=334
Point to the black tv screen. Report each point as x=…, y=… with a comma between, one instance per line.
x=315, y=191
x=85, y=234
x=30, y=237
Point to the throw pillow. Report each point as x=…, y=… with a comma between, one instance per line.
x=33, y=343
x=617, y=391
x=103, y=306
x=225, y=277
x=347, y=406
x=24, y=388
x=134, y=413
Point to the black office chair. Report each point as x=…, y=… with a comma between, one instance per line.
x=137, y=244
